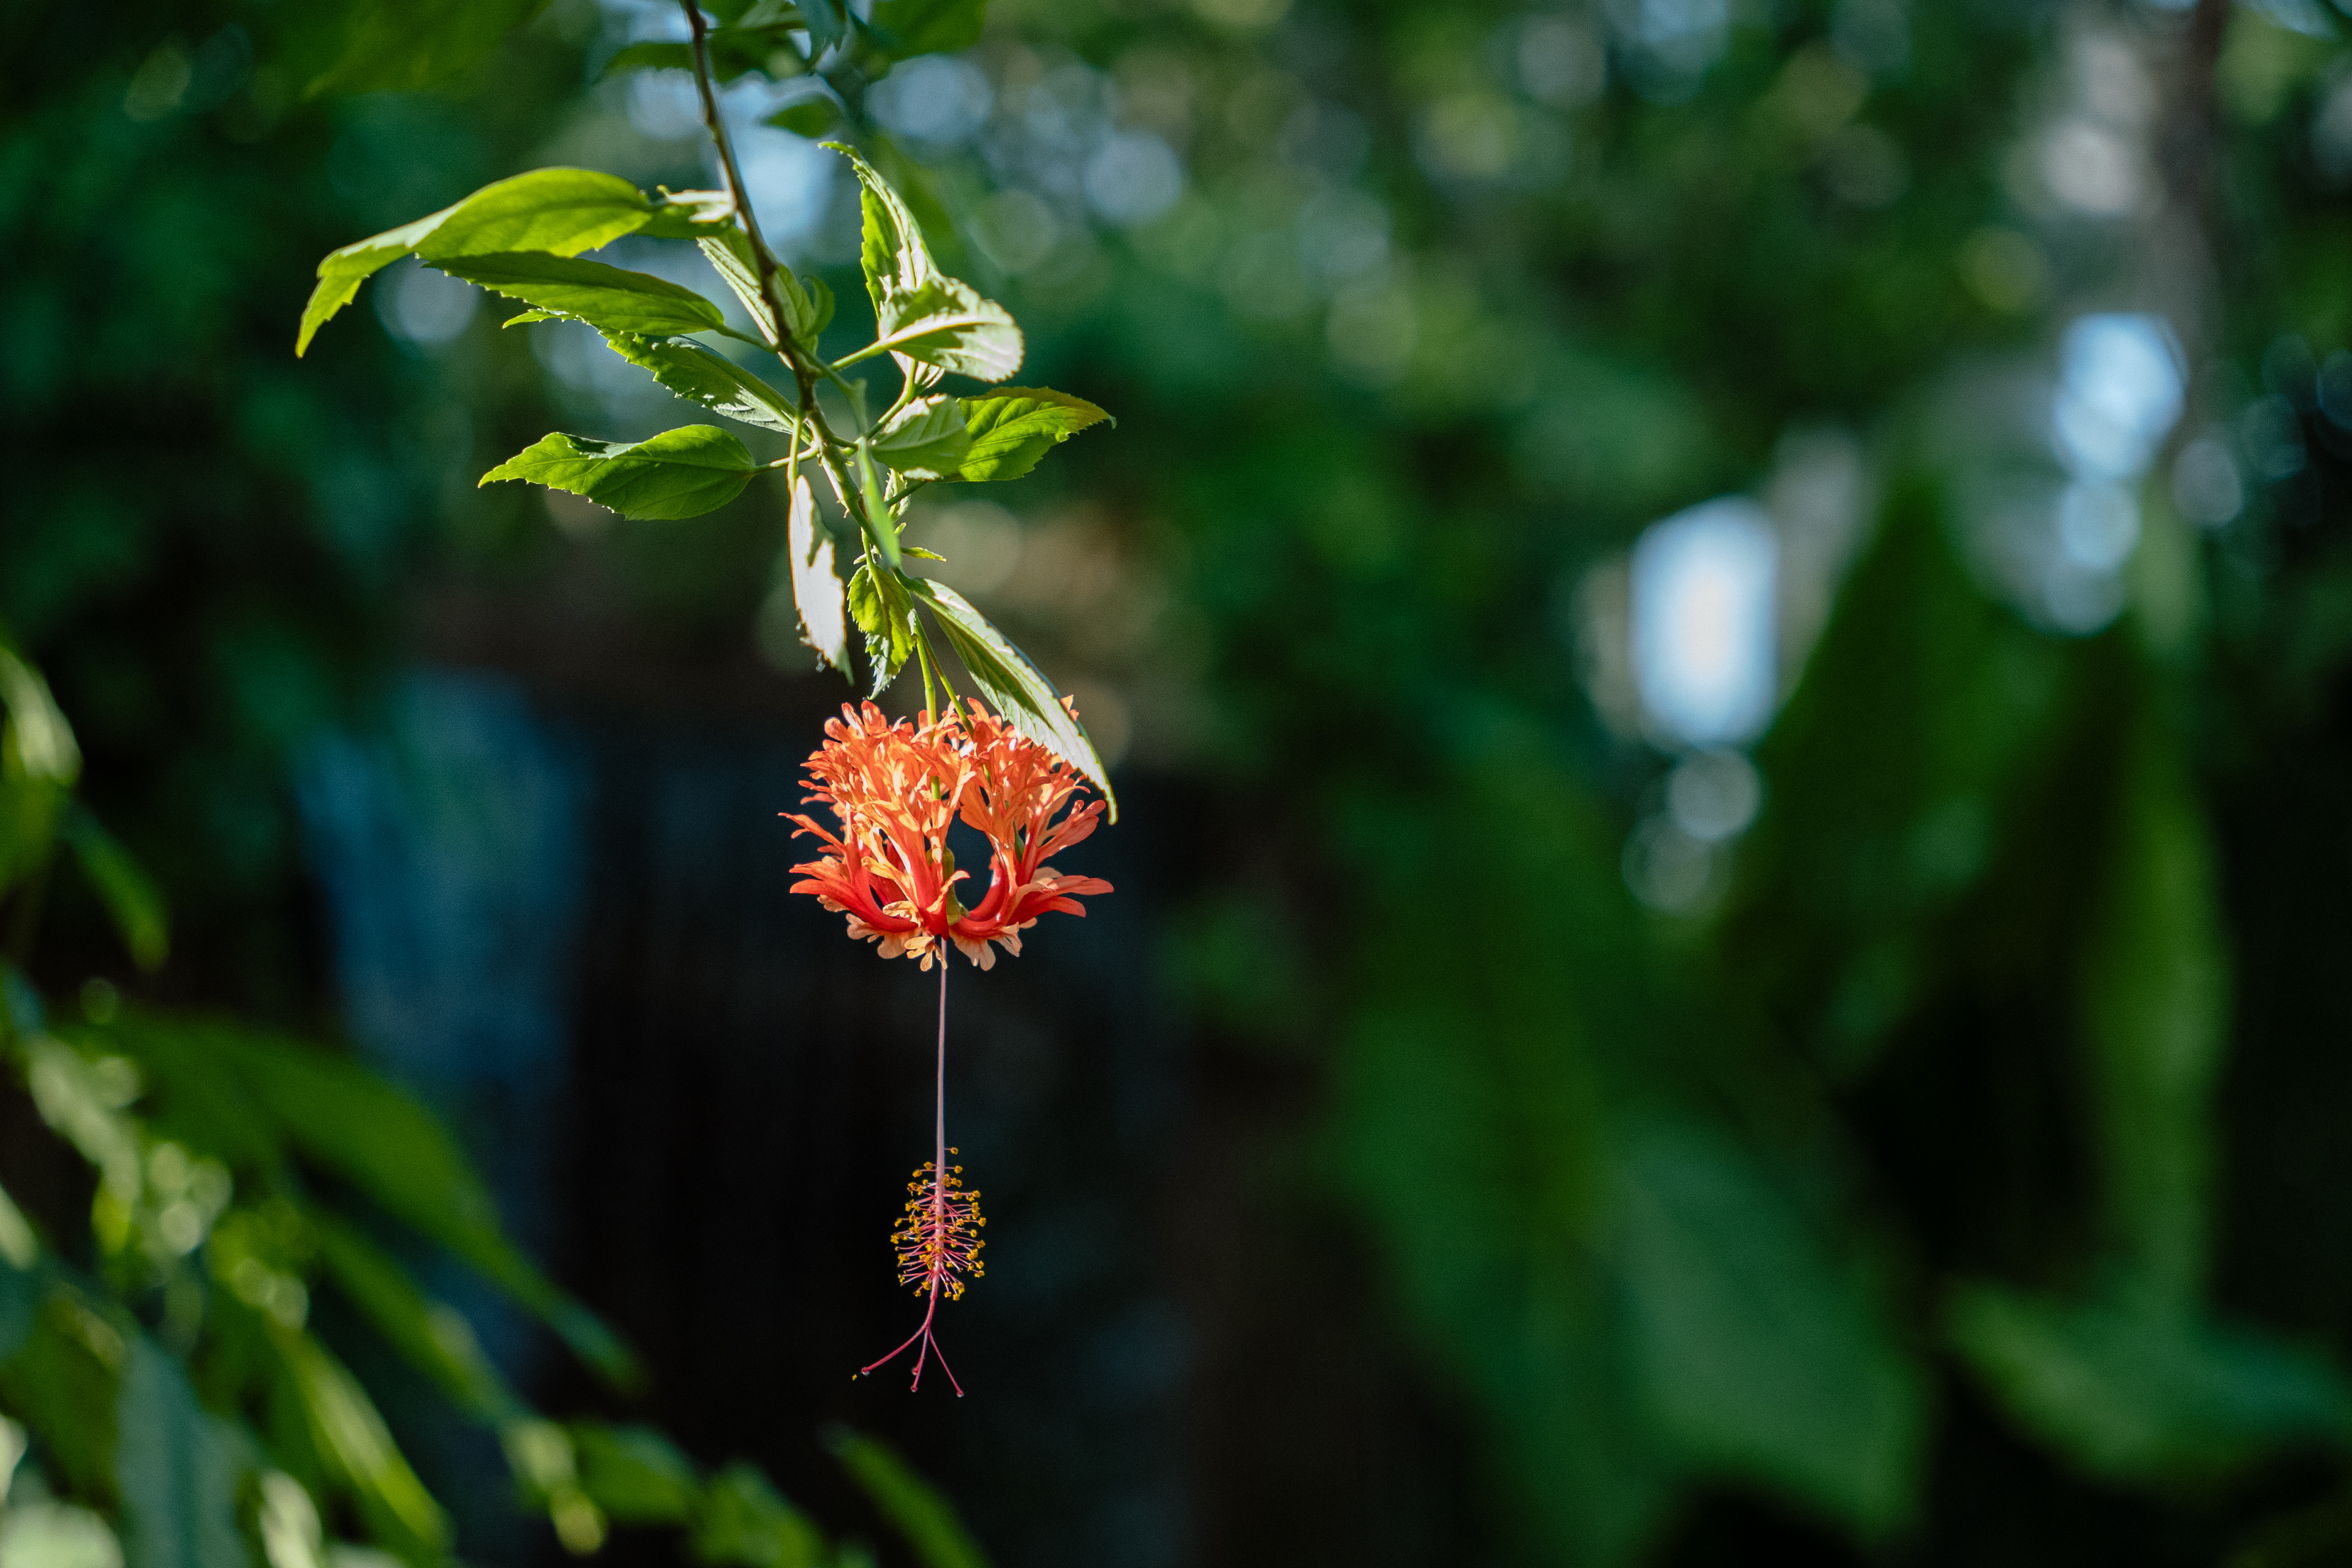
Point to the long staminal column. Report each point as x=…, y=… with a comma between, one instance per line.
x=938, y=1238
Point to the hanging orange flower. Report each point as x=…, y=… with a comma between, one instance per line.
x=897, y=789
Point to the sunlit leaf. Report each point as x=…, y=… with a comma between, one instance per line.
x=176, y=1469
x=879, y=603
x=697, y=374
x=925, y=1519
x=945, y=322
x=924, y=441
x=1014, y=426
x=678, y=473
x=612, y=298
x=919, y=312
x=816, y=581
x=1014, y=686
x=559, y=211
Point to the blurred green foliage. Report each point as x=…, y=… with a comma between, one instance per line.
x=1986, y=1111
x=167, y=1399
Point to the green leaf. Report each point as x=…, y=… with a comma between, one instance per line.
x=346, y=1119
x=39, y=744
x=353, y=1441
x=910, y=28
x=43, y=1534
x=400, y=46
x=20, y=1250
x=176, y=1470
x=884, y=613
x=719, y=384
x=651, y=55
x=2137, y=1387
x=64, y=1381
x=744, y=1521
x=729, y=254
x=131, y=897
x=691, y=214
x=1755, y=1350
x=1017, y=689
x=825, y=23
x=2155, y=1007
x=947, y=323
x=20, y=1286
x=611, y=298
x=924, y=441
x=431, y=1336
x=678, y=473
x=918, y=310
x=1014, y=426
x=809, y=117
x=816, y=581
x=927, y=1519
x=635, y=1474
x=559, y=211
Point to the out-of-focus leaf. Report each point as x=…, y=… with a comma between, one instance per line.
x=611, y=298
x=825, y=22
x=1757, y=1352
x=20, y=1250
x=559, y=211
x=912, y=28
x=20, y=1302
x=62, y=1383
x=697, y=374
x=635, y=1474
x=177, y=1470
x=652, y=54
x=2155, y=1002
x=809, y=117
x=129, y=896
x=400, y=46
x=678, y=473
x=433, y=1337
x=1017, y=689
x=351, y=1437
x=912, y=1505
x=2137, y=1387
x=57, y=1535
x=39, y=744
x=924, y=441
x=1014, y=426
x=83, y=1100
x=816, y=581
x=744, y=1521
x=348, y=1121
